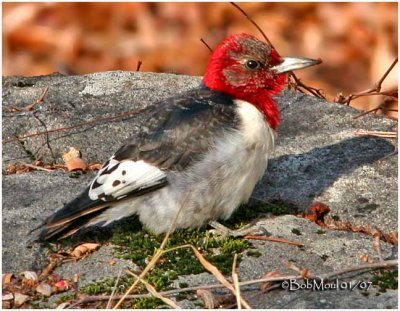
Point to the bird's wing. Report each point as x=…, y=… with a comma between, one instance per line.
x=173, y=136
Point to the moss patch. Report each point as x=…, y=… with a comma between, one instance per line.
x=386, y=279
x=135, y=243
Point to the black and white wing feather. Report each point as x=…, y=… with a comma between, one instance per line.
x=174, y=134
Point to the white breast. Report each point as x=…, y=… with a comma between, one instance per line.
x=255, y=129
x=220, y=182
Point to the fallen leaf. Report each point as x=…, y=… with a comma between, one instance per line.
x=207, y=297
x=84, y=249
x=364, y=258
x=20, y=299
x=6, y=279
x=63, y=305
x=44, y=289
x=76, y=277
x=30, y=275
x=73, y=160
x=62, y=285
x=316, y=213
x=112, y=262
x=7, y=297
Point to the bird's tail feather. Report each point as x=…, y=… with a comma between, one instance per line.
x=70, y=218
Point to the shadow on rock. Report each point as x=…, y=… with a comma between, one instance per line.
x=299, y=178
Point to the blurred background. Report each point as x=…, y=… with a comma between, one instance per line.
x=356, y=41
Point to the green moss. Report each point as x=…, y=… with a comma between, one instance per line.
x=65, y=298
x=253, y=253
x=335, y=217
x=135, y=243
x=139, y=246
x=319, y=231
x=386, y=279
x=147, y=303
x=107, y=285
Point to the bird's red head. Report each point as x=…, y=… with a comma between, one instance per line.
x=241, y=67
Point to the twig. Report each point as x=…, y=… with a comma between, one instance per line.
x=33, y=104
x=114, y=290
x=236, y=285
x=377, y=246
x=35, y=167
x=205, y=43
x=153, y=291
x=376, y=133
x=272, y=239
x=381, y=106
x=211, y=268
x=122, y=115
x=139, y=64
x=374, y=90
x=158, y=253
x=253, y=22
x=298, y=84
x=326, y=276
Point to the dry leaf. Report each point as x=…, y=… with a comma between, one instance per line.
x=7, y=301
x=7, y=297
x=84, y=249
x=63, y=305
x=219, y=276
x=112, y=262
x=364, y=258
x=20, y=299
x=30, y=275
x=208, y=298
x=75, y=279
x=265, y=286
x=44, y=289
x=316, y=213
x=73, y=160
x=6, y=279
x=62, y=286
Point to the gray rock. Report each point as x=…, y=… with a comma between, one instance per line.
x=317, y=157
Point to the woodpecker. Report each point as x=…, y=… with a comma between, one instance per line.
x=208, y=147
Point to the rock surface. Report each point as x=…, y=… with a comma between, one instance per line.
x=317, y=157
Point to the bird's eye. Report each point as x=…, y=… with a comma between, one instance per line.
x=252, y=64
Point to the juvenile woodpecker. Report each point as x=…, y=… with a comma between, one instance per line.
x=208, y=147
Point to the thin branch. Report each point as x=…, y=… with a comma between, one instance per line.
x=205, y=43
x=114, y=290
x=374, y=90
x=272, y=239
x=36, y=167
x=298, y=84
x=376, y=134
x=236, y=285
x=32, y=105
x=67, y=128
x=158, y=253
x=253, y=22
x=139, y=64
x=326, y=276
x=154, y=292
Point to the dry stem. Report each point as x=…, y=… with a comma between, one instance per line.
x=326, y=276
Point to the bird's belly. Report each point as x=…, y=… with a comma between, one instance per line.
x=215, y=186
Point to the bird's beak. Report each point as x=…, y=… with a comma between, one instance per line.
x=294, y=63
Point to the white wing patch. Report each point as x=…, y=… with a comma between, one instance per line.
x=118, y=178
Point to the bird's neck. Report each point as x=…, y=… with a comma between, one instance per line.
x=267, y=106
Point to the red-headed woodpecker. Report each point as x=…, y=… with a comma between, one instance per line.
x=208, y=146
